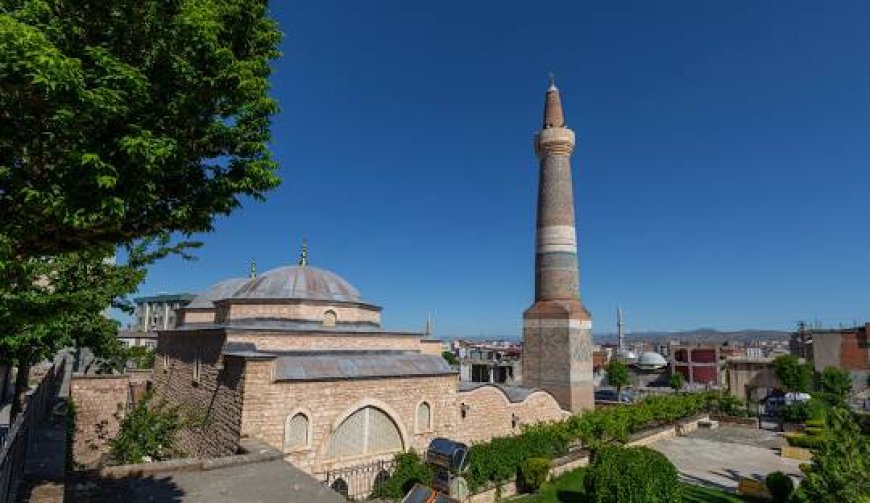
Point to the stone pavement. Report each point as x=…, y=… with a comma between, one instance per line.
x=267, y=482
x=719, y=458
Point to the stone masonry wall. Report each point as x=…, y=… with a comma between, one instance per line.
x=209, y=402
x=101, y=403
x=267, y=406
x=490, y=414
x=322, y=341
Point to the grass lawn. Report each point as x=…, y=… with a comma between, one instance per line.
x=569, y=489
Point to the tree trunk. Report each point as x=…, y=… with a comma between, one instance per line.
x=22, y=378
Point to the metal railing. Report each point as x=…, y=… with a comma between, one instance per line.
x=357, y=482
x=19, y=437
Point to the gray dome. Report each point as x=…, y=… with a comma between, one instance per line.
x=299, y=282
x=651, y=359
x=218, y=291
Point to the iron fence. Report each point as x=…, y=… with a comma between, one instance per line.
x=358, y=482
x=18, y=439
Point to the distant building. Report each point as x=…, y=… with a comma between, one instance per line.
x=132, y=338
x=845, y=348
x=700, y=365
x=491, y=362
x=158, y=312
x=751, y=378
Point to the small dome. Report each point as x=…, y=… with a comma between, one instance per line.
x=651, y=359
x=299, y=282
x=218, y=291
x=626, y=355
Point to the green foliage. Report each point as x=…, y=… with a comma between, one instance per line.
x=729, y=405
x=780, y=486
x=499, y=460
x=835, y=385
x=130, y=119
x=619, y=474
x=141, y=357
x=794, y=375
x=676, y=381
x=409, y=470
x=805, y=441
x=617, y=375
x=450, y=357
x=840, y=469
x=532, y=474
x=147, y=432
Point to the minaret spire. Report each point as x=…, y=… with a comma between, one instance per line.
x=557, y=329
x=620, y=326
x=253, y=271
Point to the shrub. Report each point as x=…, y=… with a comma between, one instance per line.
x=533, y=473
x=147, y=432
x=621, y=474
x=815, y=423
x=780, y=486
x=806, y=441
x=410, y=469
x=729, y=405
x=796, y=412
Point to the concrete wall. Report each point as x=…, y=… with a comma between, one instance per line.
x=101, y=405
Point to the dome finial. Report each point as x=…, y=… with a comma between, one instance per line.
x=303, y=257
x=253, y=271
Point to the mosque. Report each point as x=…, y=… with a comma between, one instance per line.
x=296, y=357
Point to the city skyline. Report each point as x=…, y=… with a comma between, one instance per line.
x=718, y=183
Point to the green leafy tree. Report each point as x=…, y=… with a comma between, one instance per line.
x=840, y=469
x=835, y=385
x=780, y=486
x=450, y=357
x=794, y=375
x=617, y=375
x=409, y=470
x=130, y=119
x=676, y=381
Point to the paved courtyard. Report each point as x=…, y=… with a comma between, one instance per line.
x=719, y=458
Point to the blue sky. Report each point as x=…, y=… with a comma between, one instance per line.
x=721, y=175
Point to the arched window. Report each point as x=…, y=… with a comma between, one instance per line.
x=296, y=432
x=329, y=318
x=340, y=486
x=367, y=431
x=424, y=417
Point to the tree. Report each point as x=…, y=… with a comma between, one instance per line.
x=58, y=302
x=130, y=119
x=450, y=357
x=794, y=375
x=617, y=375
x=840, y=469
x=676, y=381
x=835, y=384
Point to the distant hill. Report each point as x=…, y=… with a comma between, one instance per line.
x=703, y=335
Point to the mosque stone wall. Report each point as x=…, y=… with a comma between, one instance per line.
x=490, y=414
x=101, y=403
x=268, y=405
x=207, y=393
x=344, y=313
x=305, y=340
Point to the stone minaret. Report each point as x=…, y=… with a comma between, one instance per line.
x=557, y=329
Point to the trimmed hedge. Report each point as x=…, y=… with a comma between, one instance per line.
x=780, y=486
x=500, y=459
x=620, y=474
x=533, y=473
x=806, y=441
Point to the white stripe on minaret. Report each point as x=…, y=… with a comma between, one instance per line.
x=558, y=323
x=557, y=238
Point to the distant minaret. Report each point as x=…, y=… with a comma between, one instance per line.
x=253, y=271
x=557, y=329
x=620, y=328
x=303, y=257
x=427, y=331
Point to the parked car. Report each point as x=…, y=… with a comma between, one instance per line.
x=609, y=395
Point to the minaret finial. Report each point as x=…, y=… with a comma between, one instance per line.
x=303, y=257
x=553, y=116
x=552, y=78
x=253, y=271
